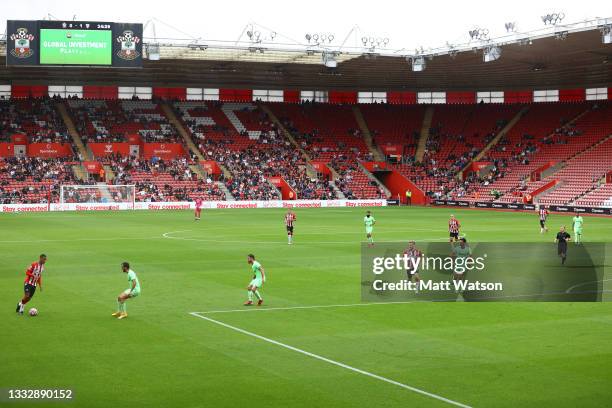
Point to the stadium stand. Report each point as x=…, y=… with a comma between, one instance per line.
x=242, y=138
x=330, y=134
x=458, y=133
x=112, y=121
x=159, y=180
x=25, y=180
x=35, y=118
x=568, y=145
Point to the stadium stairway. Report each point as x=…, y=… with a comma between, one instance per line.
x=109, y=174
x=367, y=135
x=284, y=130
x=228, y=194
x=198, y=170
x=79, y=172
x=374, y=179
x=496, y=139
x=180, y=126
x=72, y=131
x=229, y=109
x=424, y=135
x=337, y=191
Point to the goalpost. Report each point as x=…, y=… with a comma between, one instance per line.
x=98, y=194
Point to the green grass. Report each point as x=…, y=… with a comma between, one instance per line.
x=498, y=354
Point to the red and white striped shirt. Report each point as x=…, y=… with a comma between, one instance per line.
x=453, y=225
x=34, y=274
x=289, y=219
x=543, y=214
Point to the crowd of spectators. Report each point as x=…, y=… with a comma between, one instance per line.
x=35, y=118
x=110, y=122
x=27, y=180
x=270, y=156
x=347, y=168
x=162, y=180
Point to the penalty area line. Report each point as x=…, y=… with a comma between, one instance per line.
x=333, y=362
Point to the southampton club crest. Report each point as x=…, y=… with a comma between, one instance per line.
x=22, y=40
x=128, y=43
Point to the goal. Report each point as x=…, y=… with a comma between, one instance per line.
x=98, y=194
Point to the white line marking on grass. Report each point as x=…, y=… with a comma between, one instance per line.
x=306, y=307
x=333, y=362
x=168, y=235
x=571, y=288
x=77, y=240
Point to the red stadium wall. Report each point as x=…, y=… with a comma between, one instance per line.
x=179, y=94
x=49, y=150
x=211, y=167
x=545, y=187
x=537, y=173
x=460, y=97
x=6, y=150
x=475, y=167
x=291, y=96
x=287, y=193
x=572, y=95
x=402, y=98
x=107, y=149
x=391, y=149
x=92, y=167
x=19, y=139
x=342, y=97
x=321, y=167
x=396, y=183
x=100, y=92
x=235, y=95
x=26, y=91
x=163, y=150
x=518, y=96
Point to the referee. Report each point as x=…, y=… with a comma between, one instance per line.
x=561, y=240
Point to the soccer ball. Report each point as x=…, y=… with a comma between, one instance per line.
x=33, y=312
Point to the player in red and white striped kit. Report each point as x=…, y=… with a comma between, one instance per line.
x=413, y=253
x=198, y=208
x=453, y=228
x=543, y=213
x=289, y=220
x=32, y=281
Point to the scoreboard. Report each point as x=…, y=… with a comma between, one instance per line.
x=74, y=43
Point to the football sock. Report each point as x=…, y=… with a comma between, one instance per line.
x=250, y=295
x=258, y=295
x=562, y=260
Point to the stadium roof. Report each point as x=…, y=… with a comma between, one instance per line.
x=575, y=57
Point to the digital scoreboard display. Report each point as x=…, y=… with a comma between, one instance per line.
x=74, y=43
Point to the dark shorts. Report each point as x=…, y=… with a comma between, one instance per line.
x=29, y=289
x=562, y=248
x=454, y=235
x=542, y=223
x=290, y=229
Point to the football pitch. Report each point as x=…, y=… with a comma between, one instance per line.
x=189, y=342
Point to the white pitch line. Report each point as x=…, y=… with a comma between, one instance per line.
x=168, y=235
x=306, y=307
x=333, y=362
x=571, y=288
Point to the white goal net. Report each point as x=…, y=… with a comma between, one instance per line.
x=97, y=194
